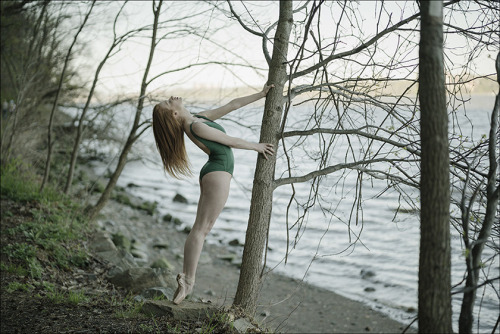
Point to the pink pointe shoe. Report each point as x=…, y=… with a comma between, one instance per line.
x=184, y=289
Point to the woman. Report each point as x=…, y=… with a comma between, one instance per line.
x=170, y=121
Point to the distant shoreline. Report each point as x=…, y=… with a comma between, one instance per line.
x=213, y=94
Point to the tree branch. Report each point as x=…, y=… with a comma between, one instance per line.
x=360, y=47
x=329, y=170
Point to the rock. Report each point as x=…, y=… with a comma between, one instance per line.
x=106, y=224
x=139, y=299
x=121, y=241
x=242, y=325
x=227, y=257
x=140, y=252
x=236, y=262
x=140, y=255
x=186, y=311
x=139, y=246
x=210, y=293
x=138, y=279
x=180, y=199
x=149, y=207
x=121, y=259
x=366, y=274
x=101, y=242
x=162, y=263
x=157, y=292
x=235, y=242
x=369, y=289
x=160, y=245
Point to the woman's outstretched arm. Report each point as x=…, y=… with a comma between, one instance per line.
x=237, y=103
x=209, y=133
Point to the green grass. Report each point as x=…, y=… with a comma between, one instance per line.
x=17, y=286
x=24, y=187
x=129, y=307
x=52, y=228
x=67, y=297
x=218, y=322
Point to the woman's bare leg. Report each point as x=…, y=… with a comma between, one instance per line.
x=213, y=195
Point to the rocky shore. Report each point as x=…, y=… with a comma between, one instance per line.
x=145, y=253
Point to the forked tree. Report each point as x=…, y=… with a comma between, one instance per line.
x=362, y=91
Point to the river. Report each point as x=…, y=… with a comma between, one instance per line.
x=381, y=269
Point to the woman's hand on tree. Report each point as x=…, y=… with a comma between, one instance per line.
x=267, y=88
x=265, y=148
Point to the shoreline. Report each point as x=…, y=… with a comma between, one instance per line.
x=285, y=304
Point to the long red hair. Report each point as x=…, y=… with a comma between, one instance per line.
x=169, y=137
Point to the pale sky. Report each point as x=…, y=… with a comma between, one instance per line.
x=232, y=44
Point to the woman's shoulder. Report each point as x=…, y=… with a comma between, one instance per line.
x=204, y=117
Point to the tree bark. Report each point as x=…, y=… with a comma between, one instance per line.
x=434, y=295
x=262, y=194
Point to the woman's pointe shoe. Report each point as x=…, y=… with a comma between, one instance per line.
x=184, y=289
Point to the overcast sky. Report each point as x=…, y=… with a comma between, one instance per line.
x=217, y=37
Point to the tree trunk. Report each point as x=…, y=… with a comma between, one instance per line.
x=133, y=135
x=262, y=194
x=79, y=129
x=122, y=161
x=492, y=196
x=50, y=144
x=434, y=297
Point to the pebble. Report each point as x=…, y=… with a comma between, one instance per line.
x=180, y=199
x=365, y=274
x=210, y=293
x=235, y=242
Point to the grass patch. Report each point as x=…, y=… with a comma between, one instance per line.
x=129, y=308
x=17, y=286
x=50, y=230
x=220, y=322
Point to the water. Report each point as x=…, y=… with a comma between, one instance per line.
x=326, y=254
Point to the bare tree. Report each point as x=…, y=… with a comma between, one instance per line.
x=174, y=25
x=434, y=282
x=249, y=283
x=343, y=97
x=27, y=70
x=50, y=143
x=137, y=127
x=361, y=88
x=117, y=41
x=474, y=248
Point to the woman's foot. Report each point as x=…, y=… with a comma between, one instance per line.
x=184, y=289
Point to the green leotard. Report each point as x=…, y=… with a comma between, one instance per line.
x=220, y=157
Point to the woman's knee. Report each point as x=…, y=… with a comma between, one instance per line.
x=202, y=229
